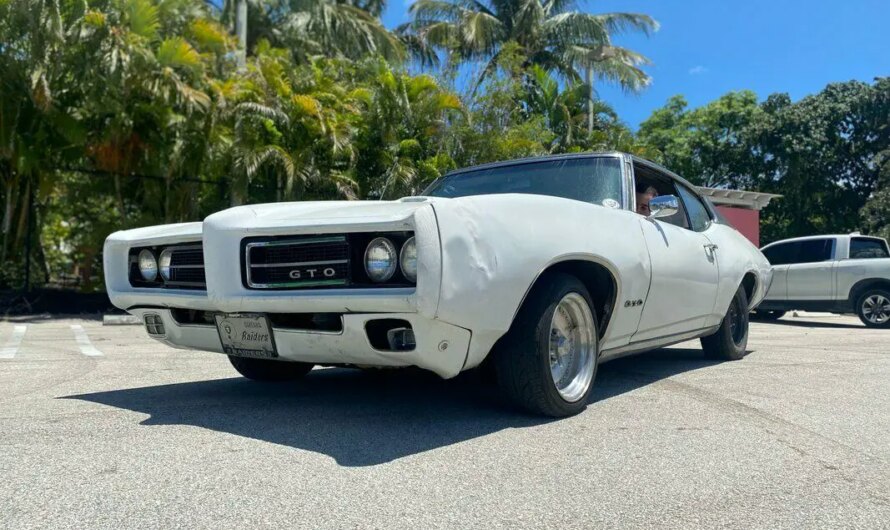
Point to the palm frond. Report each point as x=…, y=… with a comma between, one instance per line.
x=175, y=52
x=142, y=18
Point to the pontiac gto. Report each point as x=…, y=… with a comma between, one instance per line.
x=541, y=268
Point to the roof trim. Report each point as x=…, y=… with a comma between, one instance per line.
x=533, y=159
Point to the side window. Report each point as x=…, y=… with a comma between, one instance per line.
x=867, y=248
x=679, y=218
x=699, y=218
x=649, y=183
x=815, y=250
x=782, y=254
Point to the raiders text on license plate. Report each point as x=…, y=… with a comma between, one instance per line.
x=246, y=335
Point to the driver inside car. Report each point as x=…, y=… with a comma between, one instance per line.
x=645, y=193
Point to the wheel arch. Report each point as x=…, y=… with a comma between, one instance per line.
x=597, y=275
x=863, y=285
x=750, y=283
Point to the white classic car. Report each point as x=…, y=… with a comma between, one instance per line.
x=540, y=267
x=838, y=273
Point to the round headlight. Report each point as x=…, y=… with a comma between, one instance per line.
x=164, y=263
x=380, y=259
x=408, y=260
x=148, y=266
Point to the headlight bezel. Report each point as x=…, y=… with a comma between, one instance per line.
x=165, y=279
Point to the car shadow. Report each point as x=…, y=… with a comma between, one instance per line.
x=811, y=324
x=364, y=419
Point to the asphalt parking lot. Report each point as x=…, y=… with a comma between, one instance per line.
x=101, y=427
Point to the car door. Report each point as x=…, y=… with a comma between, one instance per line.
x=779, y=256
x=810, y=274
x=684, y=283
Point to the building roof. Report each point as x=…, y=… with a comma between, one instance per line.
x=751, y=200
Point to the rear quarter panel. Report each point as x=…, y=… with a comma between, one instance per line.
x=849, y=272
x=736, y=256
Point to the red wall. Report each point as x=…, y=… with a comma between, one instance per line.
x=745, y=221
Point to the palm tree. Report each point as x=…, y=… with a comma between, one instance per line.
x=549, y=33
x=403, y=115
x=332, y=28
x=562, y=110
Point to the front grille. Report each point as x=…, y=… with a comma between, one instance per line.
x=187, y=267
x=294, y=263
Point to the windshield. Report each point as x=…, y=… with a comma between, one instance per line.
x=595, y=180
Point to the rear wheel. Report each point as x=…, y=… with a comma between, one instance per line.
x=266, y=370
x=731, y=340
x=873, y=308
x=547, y=362
x=767, y=315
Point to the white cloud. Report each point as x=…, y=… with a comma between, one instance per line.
x=696, y=70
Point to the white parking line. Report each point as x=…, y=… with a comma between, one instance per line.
x=83, y=341
x=12, y=345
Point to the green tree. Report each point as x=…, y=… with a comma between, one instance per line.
x=550, y=34
x=307, y=28
x=876, y=212
x=708, y=145
x=822, y=153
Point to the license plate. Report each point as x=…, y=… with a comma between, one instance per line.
x=246, y=335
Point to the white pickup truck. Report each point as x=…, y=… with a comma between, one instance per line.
x=836, y=273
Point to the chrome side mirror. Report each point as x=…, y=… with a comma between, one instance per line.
x=663, y=206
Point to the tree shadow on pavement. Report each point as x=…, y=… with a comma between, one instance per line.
x=361, y=419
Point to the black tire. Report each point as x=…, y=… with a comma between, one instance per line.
x=868, y=318
x=271, y=371
x=730, y=341
x=521, y=359
x=767, y=315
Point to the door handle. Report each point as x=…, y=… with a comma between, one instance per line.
x=711, y=246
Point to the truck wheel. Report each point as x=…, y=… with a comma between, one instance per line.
x=547, y=362
x=766, y=315
x=731, y=340
x=873, y=308
x=266, y=370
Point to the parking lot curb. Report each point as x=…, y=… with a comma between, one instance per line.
x=121, y=320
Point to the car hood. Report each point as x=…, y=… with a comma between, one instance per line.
x=171, y=233
x=317, y=213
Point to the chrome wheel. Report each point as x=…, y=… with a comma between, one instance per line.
x=572, y=347
x=876, y=309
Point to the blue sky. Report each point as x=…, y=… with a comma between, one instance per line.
x=706, y=48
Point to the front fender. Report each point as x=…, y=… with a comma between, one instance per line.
x=494, y=247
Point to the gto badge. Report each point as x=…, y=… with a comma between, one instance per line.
x=301, y=274
x=633, y=303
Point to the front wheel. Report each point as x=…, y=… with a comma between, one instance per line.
x=873, y=308
x=266, y=370
x=730, y=341
x=547, y=362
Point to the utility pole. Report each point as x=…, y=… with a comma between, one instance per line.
x=241, y=32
